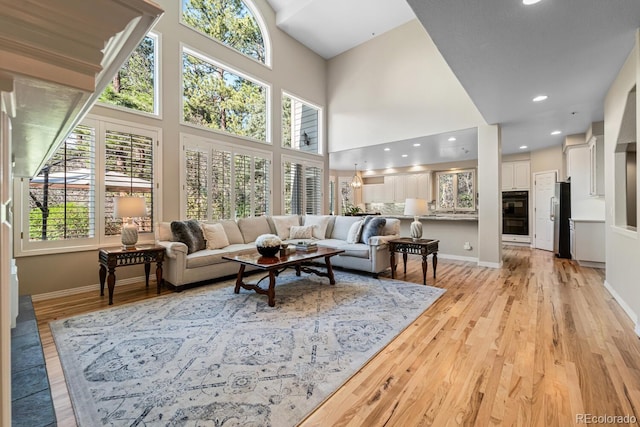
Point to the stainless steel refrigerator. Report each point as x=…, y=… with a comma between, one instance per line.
x=560, y=214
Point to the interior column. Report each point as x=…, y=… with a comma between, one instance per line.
x=489, y=196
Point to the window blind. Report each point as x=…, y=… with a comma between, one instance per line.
x=197, y=179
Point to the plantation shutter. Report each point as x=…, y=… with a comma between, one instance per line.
x=221, y=207
x=197, y=183
x=128, y=171
x=262, y=186
x=293, y=188
x=243, y=185
x=62, y=195
x=313, y=190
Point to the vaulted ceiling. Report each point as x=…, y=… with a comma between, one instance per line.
x=503, y=53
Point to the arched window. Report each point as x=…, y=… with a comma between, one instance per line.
x=232, y=22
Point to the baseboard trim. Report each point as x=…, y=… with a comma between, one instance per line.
x=82, y=289
x=490, y=264
x=457, y=257
x=632, y=314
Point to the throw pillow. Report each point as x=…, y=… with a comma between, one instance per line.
x=284, y=223
x=301, y=232
x=189, y=233
x=319, y=223
x=215, y=236
x=354, y=232
x=372, y=226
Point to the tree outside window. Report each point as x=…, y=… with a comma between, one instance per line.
x=133, y=86
x=219, y=99
x=228, y=21
x=456, y=191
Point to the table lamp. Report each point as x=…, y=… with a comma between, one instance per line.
x=127, y=208
x=416, y=208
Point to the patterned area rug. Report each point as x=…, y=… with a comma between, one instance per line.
x=207, y=356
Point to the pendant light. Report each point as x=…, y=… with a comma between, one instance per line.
x=356, y=181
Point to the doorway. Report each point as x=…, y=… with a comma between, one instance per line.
x=543, y=192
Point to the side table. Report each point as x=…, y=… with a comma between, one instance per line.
x=407, y=245
x=110, y=258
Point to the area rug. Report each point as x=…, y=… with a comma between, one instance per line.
x=207, y=356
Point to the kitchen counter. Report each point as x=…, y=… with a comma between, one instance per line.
x=440, y=217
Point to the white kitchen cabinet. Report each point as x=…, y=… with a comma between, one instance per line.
x=516, y=175
x=398, y=188
x=587, y=241
x=372, y=193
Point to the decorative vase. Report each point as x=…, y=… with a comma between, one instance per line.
x=270, y=251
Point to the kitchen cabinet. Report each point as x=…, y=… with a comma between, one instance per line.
x=398, y=188
x=516, y=175
x=587, y=241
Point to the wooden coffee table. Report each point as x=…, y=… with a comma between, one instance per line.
x=275, y=265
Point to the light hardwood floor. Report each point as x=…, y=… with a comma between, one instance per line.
x=534, y=343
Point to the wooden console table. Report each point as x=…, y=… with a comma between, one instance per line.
x=407, y=245
x=110, y=258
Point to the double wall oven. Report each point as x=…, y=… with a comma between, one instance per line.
x=515, y=213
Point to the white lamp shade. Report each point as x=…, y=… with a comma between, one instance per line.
x=416, y=207
x=129, y=206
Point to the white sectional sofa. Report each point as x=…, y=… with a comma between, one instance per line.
x=182, y=268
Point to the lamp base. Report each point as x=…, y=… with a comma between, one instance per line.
x=129, y=235
x=416, y=229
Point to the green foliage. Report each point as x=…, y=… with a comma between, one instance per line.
x=219, y=99
x=228, y=21
x=133, y=85
x=75, y=215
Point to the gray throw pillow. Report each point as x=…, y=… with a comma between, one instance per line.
x=190, y=233
x=372, y=226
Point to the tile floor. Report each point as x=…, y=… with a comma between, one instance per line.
x=31, y=404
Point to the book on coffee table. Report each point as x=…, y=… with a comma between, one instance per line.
x=306, y=246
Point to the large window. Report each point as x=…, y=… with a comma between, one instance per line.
x=224, y=100
x=69, y=203
x=302, y=187
x=300, y=125
x=231, y=22
x=456, y=191
x=135, y=85
x=224, y=182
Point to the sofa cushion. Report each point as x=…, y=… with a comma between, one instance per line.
x=301, y=232
x=391, y=227
x=215, y=235
x=357, y=250
x=163, y=232
x=354, y=232
x=283, y=224
x=341, y=226
x=252, y=227
x=319, y=223
x=372, y=226
x=206, y=257
x=189, y=233
x=232, y=231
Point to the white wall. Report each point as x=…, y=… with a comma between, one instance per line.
x=622, y=248
x=394, y=87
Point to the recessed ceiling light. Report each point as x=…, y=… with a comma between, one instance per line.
x=451, y=139
x=540, y=98
x=556, y=132
x=416, y=144
x=523, y=147
x=529, y=2
x=387, y=149
x=405, y=155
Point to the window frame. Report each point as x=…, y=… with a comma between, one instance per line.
x=266, y=38
x=157, y=86
x=319, y=130
x=186, y=49
x=26, y=247
x=208, y=145
x=306, y=163
x=455, y=187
